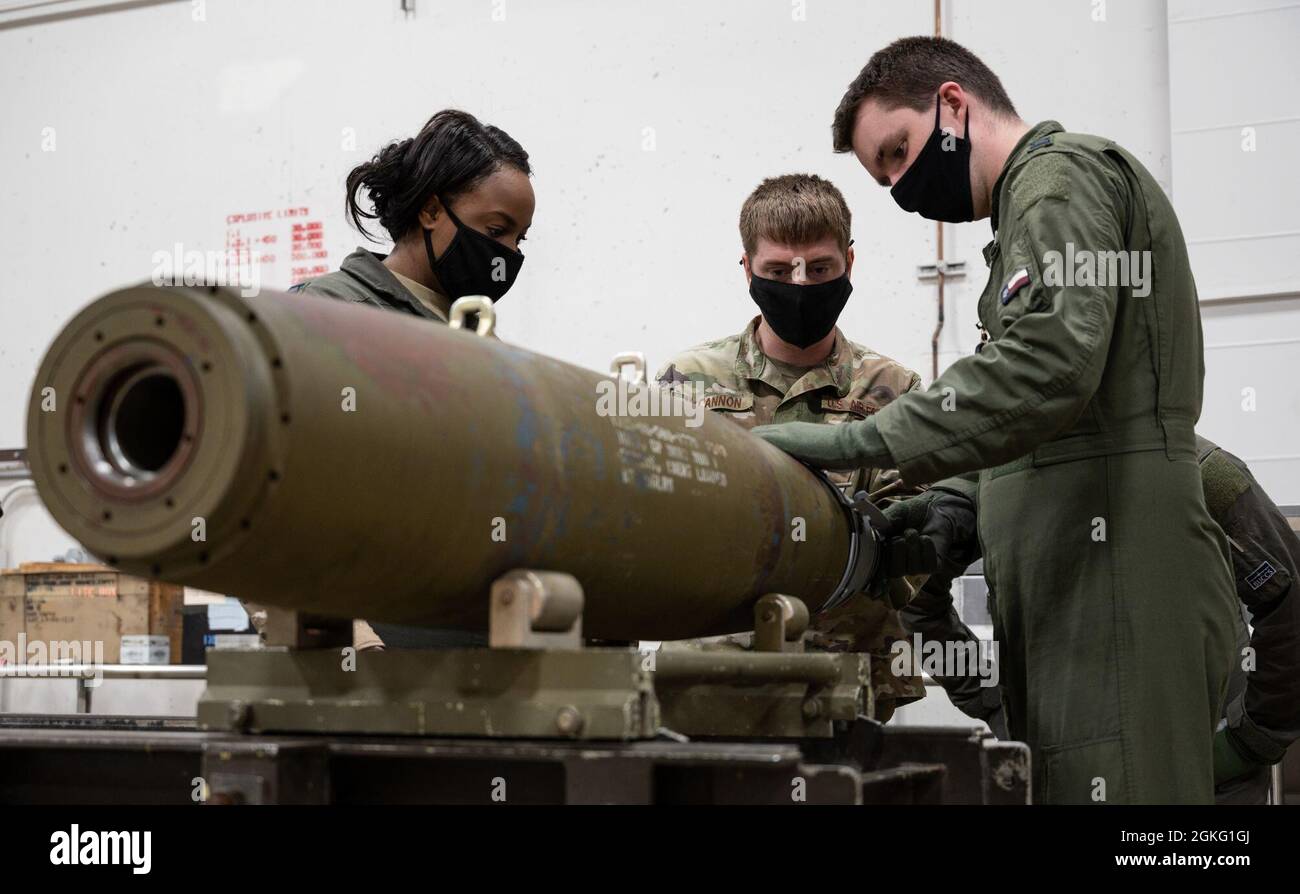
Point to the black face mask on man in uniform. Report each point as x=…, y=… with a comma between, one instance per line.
x=801, y=315
x=937, y=185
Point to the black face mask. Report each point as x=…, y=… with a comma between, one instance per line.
x=800, y=315
x=937, y=185
x=474, y=263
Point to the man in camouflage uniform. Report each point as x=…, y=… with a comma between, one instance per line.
x=791, y=363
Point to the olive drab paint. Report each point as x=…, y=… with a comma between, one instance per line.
x=673, y=531
x=1115, y=649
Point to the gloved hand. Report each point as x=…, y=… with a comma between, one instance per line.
x=906, y=552
x=1229, y=763
x=932, y=533
x=847, y=445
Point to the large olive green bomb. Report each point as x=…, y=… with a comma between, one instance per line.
x=319, y=455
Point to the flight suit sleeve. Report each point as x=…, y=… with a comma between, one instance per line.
x=1033, y=381
x=1265, y=719
x=887, y=483
x=964, y=485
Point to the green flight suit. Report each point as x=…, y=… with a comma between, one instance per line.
x=1113, y=603
x=1262, y=715
x=1113, y=600
x=362, y=278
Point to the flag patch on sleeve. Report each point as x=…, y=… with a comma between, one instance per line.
x=1018, y=281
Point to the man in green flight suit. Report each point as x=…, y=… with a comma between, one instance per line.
x=1262, y=716
x=1112, y=598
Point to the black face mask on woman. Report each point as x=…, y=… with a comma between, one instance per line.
x=937, y=185
x=474, y=263
x=801, y=315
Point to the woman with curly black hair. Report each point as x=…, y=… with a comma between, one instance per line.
x=456, y=201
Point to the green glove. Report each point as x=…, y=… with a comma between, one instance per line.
x=849, y=445
x=1229, y=762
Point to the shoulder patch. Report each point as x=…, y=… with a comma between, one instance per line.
x=671, y=376
x=1261, y=575
x=1045, y=176
x=882, y=394
x=1018, y=281
x=702, y=363
x=1223, y=483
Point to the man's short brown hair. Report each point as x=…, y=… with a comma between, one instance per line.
x=795, y=209
x=908, y=73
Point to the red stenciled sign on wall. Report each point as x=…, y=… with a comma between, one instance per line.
x=286, y=244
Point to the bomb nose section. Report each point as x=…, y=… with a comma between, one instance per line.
x=134, y=419
x=144, y=411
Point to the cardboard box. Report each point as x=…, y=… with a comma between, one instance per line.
x=67, y=603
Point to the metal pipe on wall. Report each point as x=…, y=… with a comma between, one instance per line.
x=938, y=238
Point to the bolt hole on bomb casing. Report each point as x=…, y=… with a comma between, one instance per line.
x=422, y=464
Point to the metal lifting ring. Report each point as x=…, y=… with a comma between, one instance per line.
x=474, y=304
x=634, y=359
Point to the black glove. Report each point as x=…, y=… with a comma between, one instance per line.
x=905, y=552
x=932, y=533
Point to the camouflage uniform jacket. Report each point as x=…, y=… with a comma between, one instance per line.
x=852, y=383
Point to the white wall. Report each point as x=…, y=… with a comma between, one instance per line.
x=1093, y=66
x=27, y=532
x=1235, y=117
x=163, y=126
